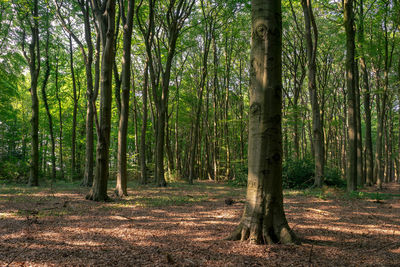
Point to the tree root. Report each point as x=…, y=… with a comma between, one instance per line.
x=264, y=235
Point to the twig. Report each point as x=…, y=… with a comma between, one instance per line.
x=16, y=255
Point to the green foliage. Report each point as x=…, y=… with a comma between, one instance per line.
x=14, y=169
x=298, y=173
x=333, y=177
x=240, y=172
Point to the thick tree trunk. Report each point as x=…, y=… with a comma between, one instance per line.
x=106, y=25
x=351, y=98
x=121, y=188
x=264, y=220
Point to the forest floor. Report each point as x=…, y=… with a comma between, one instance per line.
x=184, y=225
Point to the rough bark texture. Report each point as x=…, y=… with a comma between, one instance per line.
x=351, y=99
x=263, y=219
x=127, y=21
x=106, y=25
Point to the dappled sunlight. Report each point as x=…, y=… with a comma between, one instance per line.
x=64, y=228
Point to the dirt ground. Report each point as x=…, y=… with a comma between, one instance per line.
x=186, y=225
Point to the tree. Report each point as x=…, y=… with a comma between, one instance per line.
x=263, y=219
x=351, y=94
x=106, y=26
x=127, y=22
x=30, y=19
x=318, y=138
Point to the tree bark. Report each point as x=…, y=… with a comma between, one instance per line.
x=46, y=105
x=127, y=21
x=142, y=152
x=106, y=27
x=61, y=123
x=33, y=59
x=263, y=219
x=369, y=161
x=351, y=98
x=317, y=131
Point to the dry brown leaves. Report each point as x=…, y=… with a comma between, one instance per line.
x=63, y=229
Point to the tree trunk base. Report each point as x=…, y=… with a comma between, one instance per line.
x=119, y=192
x=97, y=197
x=268, y=234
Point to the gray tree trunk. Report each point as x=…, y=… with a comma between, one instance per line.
x=263, y=219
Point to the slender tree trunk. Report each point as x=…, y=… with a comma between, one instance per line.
x=121, y=188
x=369, y=161
x=317, y=130
x=263, y=219
x=46, y=105
x=34, y=68
x=61, y=123
x=360, y=177
x=351, y=98
x=142, y=152
x=74, y=113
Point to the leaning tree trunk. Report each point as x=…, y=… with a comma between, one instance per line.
x=106, y=25
x=264, y=220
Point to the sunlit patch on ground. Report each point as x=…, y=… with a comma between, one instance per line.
x=186, y=225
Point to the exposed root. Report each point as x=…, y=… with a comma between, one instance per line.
x=264, y=235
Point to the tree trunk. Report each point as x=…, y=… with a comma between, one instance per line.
x=75, y=110
x=142, y=152
x=317, y=131
x=61, y=123
x=106, y=28
x=263, y=219
x=351, y=98
x=369, y=161
x=46, y=105
x=121, y=187
x=34, y=68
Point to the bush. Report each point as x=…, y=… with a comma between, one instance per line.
x=298, y=173
x=13, y=169
x=239, y=175
x=333, y=177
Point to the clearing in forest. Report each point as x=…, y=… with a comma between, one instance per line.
x=185, y=225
